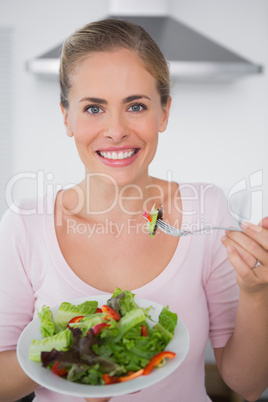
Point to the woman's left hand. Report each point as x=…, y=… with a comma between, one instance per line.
x=248, y=253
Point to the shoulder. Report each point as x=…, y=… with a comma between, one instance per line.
x=201, y=189
x=23, y=211
x=204, y=195
x=206, y=201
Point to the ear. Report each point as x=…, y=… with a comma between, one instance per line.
x=69, y=131
x=165, y=116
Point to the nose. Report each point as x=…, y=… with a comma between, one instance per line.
x=116, y=128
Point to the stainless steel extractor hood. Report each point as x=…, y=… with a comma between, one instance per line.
x=191, y=56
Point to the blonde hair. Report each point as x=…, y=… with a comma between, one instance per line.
x=110, y=35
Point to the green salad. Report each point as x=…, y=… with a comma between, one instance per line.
x=152, y=218
x=103, y=345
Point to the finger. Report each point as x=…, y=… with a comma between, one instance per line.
x=264, y=223
x=237, y=262
x=248, y=248
x=250, y=280
x=257, y=233
x=248, y=258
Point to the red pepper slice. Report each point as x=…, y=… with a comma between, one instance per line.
x=111, y=312
x=147, y=216
x=75, y=319
x=97, y=328
x=62, y=372
x=157, y=359
x=144, y=331
x=108, y=379
x=130, y=376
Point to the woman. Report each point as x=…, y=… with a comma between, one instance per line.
x=115, y=99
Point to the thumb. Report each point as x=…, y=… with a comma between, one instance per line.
x=264, y=223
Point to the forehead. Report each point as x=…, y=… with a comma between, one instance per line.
x=118, y=72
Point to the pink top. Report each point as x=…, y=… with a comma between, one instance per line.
x=198, y=283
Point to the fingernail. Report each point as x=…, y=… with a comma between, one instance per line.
x=223, y=238
x=248, y=225
x=230, y=249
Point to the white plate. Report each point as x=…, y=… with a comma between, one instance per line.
x=179, y=344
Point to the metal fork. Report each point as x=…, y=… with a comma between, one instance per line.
x=170, y=230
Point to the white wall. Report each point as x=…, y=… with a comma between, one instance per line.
x=39, y=140
x=217, y=132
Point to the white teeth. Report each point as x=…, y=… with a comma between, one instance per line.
x=120, y=155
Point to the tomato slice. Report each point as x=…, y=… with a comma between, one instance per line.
x=74, y=320
x=147, y=216
x=62, y=372
x=99, y=310
x=98, y=327
x=111, y=312
x=144, y=331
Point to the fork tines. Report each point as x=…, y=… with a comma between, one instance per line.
x=165, y=227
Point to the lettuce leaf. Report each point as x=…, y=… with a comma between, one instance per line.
x=154, y=214
x=84, y=374
x=81, y=361
x=167, y=322
x=168, y=319
x=47, y=325
x=67, y=311
x=122, y=302
x=130, y=320
x=151, y=226
x=88, y=322
x=60, y=341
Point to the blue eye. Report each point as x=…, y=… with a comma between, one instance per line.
x=94, y=109
x=138, y=107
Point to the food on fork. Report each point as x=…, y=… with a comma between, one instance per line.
x=152, y=218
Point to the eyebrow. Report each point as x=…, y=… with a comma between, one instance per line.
x=104, y=102
x=134, y=97
x=94, y=100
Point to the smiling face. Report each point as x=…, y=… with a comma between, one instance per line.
x=115, y=115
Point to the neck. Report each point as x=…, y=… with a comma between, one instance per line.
x=103, y=197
